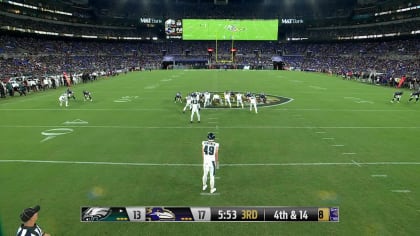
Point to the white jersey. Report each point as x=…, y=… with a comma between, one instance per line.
x=227, y=95
x=195, y=105
x=195, y=108
x=216, y=97
x=239, y=97
x=207, y=96
x=253, y=103
x=210, y=151
x=239, y=100
x=253, y=100
x=188, y=99
x=63, y=98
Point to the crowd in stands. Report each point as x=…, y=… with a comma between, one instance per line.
x=21, y=55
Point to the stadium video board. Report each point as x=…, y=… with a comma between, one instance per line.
x=228, y=29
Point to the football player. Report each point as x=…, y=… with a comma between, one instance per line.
x=207, y=96
x=87, y=95
x=414, y=95
x=64, y=99
x=70, y=94
x=239, y=96
x=188, y=99
x=248, y=95
x=253, y=103
x=216, y=99
x=178, y=97
x=210, y=151
x=397, y=96
x=263, y=98
x=195, y=107
x=227, y=98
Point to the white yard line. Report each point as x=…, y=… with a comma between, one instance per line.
x=400, y=191
x=221, y=127
x=356, y=163
x=379, y=176
x=226, y=164
x=210, y=194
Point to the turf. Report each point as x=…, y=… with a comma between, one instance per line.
x=199, y=29
x=338, y=143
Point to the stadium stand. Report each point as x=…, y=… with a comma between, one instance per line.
x=370, y=42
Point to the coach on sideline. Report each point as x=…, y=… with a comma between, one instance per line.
x=29, y=216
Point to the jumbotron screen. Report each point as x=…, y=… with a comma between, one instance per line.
x=224, y=29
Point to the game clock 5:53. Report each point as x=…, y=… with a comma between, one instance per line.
x=236, y=214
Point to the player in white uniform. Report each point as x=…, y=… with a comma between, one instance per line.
x=188, y=99
x=195, y=107
x=239, y=99
x=216, y=98
x=64, y=99
x=227, y=98
x=210, y=150
x=253, y=103
x=207, y=96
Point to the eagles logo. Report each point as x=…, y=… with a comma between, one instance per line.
x=96, y=214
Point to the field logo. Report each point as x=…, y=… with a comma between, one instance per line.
x=52, y=133
x=126, y=99
x=76, y=122
x=270, y=100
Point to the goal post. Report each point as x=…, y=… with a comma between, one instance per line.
x=232, y=52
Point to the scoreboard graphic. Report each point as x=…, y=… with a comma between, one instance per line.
x=209, y=214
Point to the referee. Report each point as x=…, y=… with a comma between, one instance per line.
x=29, y=216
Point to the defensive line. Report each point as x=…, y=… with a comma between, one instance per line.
x=353, y=163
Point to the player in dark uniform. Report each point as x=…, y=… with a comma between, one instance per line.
x=70, y=94
x=87, y=95
x=415, y=95
x=263, y=98
x=397, y=96
x=248, y=95
x=178, y=97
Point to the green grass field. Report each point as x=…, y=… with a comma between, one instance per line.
x=223, y=29
x=337, y=144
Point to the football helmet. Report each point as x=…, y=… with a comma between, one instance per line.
x=211, y=136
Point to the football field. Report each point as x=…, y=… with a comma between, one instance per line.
x=227, y=29
x=337, y=143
